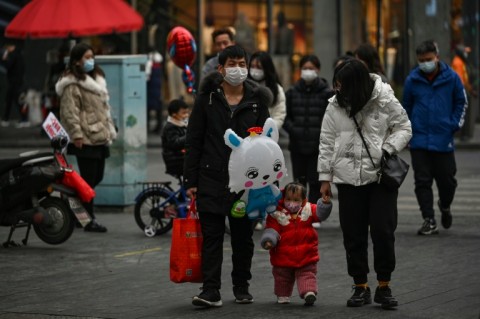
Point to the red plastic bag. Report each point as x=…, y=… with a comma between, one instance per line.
x=186, y=250
x=75, y=181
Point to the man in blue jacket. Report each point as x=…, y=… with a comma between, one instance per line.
x=435, y=100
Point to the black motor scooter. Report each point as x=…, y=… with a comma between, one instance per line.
x=32, y=193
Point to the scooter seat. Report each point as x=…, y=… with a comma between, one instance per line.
x=10, y=163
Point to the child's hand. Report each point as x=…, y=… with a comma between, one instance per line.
x=267, y=245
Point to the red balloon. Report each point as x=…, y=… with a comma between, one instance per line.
x=181, y=47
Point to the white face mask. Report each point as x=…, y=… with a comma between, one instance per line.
x=235, y=75
x=257, y=74
x=308, y=75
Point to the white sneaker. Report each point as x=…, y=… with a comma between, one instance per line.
x=316, y=225
x=283, y=300
x=310, y=298
x=5, y=123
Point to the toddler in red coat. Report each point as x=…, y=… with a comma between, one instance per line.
x=293, y=243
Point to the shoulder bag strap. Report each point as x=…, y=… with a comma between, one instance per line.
x=363, y=140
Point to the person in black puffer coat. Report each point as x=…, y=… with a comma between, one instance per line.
x=173, y=137
x=225, y=100
x=306, y=101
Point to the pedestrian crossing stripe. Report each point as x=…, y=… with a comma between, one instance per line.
x=459, y=198
x=455, y=207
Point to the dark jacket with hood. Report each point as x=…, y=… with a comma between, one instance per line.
x=306, y=105
x=173, y=145
x=207, y=156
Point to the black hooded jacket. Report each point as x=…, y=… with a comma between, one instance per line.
x=207, y=156
x=306, y=105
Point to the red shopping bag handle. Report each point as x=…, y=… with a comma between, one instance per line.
x=192, y=210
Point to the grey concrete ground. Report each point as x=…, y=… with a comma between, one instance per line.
x=123, y=274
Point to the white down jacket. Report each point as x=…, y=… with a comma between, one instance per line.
x=384, y=123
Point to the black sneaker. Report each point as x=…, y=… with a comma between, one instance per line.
x=242, y=295
x=446, y=216
x=208, y=298
x=429, y=227
x=384, y=297
x=360, y=297
x=93, y=226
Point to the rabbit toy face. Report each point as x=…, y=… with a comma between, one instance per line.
x=257, y=160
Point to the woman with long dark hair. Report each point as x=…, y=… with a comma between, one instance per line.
x=369, y=55
x=363, y=103
x=262, y=70
x=85, y=114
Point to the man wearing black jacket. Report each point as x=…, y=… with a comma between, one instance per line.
x=225, y=100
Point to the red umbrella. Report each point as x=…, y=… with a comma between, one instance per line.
x=77, y=18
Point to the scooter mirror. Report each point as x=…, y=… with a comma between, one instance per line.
x=59, y=142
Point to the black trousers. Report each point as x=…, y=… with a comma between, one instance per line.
x=213, y=231
x=362, y=208
x=91, y=170
x=428, y=166
x=305, y=172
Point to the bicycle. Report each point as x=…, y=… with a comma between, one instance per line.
x=158, y=204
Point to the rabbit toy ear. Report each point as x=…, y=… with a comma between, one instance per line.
x=270, y=129
x=232, y=139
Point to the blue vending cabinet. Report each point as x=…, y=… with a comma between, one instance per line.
x=127, y=164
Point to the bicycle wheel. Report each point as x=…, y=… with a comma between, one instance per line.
x=154, y=214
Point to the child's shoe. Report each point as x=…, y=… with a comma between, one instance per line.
x=310, y=298
x=283, y=300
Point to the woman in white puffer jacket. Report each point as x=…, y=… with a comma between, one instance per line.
x=343, y=159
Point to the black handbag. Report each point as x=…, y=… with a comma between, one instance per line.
x=393, y=168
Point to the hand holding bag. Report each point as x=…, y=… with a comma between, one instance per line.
x=186, y=249
x=393, y=168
